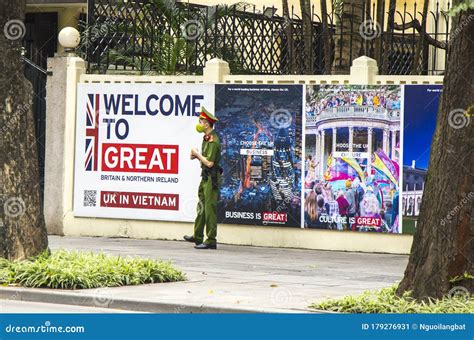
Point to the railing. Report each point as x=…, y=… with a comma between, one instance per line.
x=37, y=76
x=167, y=37
x=344, y=112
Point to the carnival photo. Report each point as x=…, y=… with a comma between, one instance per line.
x=352, y=155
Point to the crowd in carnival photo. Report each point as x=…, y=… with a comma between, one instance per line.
x=349, y=200
x=380, y=97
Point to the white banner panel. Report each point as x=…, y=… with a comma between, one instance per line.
x=133, y=145
x=341, y=154
x=256, y=152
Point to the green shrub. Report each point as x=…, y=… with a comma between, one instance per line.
x=76, y=270
x=386, y=301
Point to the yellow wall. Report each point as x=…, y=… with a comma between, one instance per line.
x=259, y=4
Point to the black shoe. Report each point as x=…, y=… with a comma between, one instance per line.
x=206, y=246
x=190, y=239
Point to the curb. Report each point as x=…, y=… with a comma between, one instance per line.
x=67, y=298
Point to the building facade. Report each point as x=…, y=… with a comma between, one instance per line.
x=413, y=186
x=355, y=131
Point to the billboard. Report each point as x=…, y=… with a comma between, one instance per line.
x=420, y=110
x=352, y=155
x=323, y=156
x=261, y=134
x=133, y=145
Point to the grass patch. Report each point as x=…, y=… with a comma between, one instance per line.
x=80, y=270
x=409, y=225
x=386, y=301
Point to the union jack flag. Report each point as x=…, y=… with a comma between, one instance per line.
x=92, y=132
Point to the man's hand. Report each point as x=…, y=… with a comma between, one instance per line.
x=194, y=153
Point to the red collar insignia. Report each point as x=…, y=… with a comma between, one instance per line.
x=208, y=138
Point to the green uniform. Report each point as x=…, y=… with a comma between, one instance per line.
x=208, y=192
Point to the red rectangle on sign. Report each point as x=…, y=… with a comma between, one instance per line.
x=369, y=221
x=150, y=158
x=274, y=217
x=139, y=200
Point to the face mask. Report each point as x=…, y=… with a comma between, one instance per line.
x=200, y=128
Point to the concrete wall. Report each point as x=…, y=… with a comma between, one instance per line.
x=54, y=165
x=60, y=133
x=364, y=71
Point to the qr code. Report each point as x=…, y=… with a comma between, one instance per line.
x=90, y=198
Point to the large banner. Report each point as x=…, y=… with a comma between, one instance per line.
x=420, y=110
x=352, y=150
x=261, y=134
x=133, y=145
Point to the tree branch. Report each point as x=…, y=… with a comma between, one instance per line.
x=416, y=25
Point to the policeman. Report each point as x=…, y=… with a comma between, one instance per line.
x=209, y=187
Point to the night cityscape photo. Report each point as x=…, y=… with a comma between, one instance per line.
x=260, y=130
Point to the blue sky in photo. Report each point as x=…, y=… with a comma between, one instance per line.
x=421, y=107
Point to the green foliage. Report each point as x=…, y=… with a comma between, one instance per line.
x=338, y=6
x=464, y=276
x=173, y=51
x=463, y=6
x=77, y=270
x=386, y=301
x=169, y=43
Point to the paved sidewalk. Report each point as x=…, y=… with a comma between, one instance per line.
x=233, y=278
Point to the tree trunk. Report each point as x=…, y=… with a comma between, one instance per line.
x=348, y=38
x=326, y=38
x=22, y=227
x=307, y=36
x=443, y=242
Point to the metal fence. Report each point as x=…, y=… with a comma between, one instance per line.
x=168, y=37
x=34, y=70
